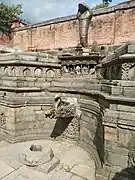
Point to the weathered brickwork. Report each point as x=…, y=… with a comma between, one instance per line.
x=108, y=26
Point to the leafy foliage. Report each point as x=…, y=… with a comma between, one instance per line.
x=8, y=13
x=107, y=2
x=104, y=4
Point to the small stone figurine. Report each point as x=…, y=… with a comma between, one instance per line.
x=84, y=16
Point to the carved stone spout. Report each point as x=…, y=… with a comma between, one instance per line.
x=84, y=16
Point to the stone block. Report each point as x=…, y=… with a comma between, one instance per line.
x=113, y=107
x=117, y=159
x=84, y=171
x=61, y=175
x=48, y=167
x=131, y=48
x=9, y=83
x=126, y=108
x=106, y=89
x=126, y=83
x=12, y=162
x=77, y=178
x=28, y=84
x=110, y=133
x=117, y=90
x=126, y=137
x=127, y=116
x=25, y=173
x=5, y=169
x=129, y=92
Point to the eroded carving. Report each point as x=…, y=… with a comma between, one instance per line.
x=64, y=108
x=126, y=71
x=38, y=72
x=131, y=158
x=26, y=72
x=67, y=111
x=2, y=121
x=49, y=74
x=13, y=71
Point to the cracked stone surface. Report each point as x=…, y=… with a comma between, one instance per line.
x=72, y=158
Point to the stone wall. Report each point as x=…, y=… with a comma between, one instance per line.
x=106, y=125
x=114, y=25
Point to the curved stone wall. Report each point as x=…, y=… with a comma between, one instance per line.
x=91, y=130
x=27, y=122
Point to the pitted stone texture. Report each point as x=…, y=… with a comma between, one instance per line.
x=37, y=155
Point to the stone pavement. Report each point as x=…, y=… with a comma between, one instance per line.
x=74, y=163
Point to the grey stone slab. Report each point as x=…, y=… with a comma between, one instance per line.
x=25, y=173
x=77, y=178
x=84, y=171
x=61, y=175
x=14, y=163
x=48, y=167
x=5, y=169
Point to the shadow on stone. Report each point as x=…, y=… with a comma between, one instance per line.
x=99, y=139
x=60, y=126
x=125, y=174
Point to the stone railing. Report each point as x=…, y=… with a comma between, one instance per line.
x=27, y=69
x=77, y=66
x=120, y=65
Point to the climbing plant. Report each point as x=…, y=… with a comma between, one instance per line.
x=8, y=13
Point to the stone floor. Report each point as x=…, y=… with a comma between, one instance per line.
x=75, y=164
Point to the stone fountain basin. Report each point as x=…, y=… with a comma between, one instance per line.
x=36, y=155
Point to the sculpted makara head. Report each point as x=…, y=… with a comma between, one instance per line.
x=84, y=15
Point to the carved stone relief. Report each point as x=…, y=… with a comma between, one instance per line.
x=38, y=72
x=131, y=158
x=128, y=71
x=26, y=72
x=66, y=110
x=49, y=74
x=6, y=71
x=2, y=121
x=13, y=71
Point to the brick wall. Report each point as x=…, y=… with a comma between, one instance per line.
x=4, y=39
x=114, y=25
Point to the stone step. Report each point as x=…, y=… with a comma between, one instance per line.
x=61, y=175
x=48, y=167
